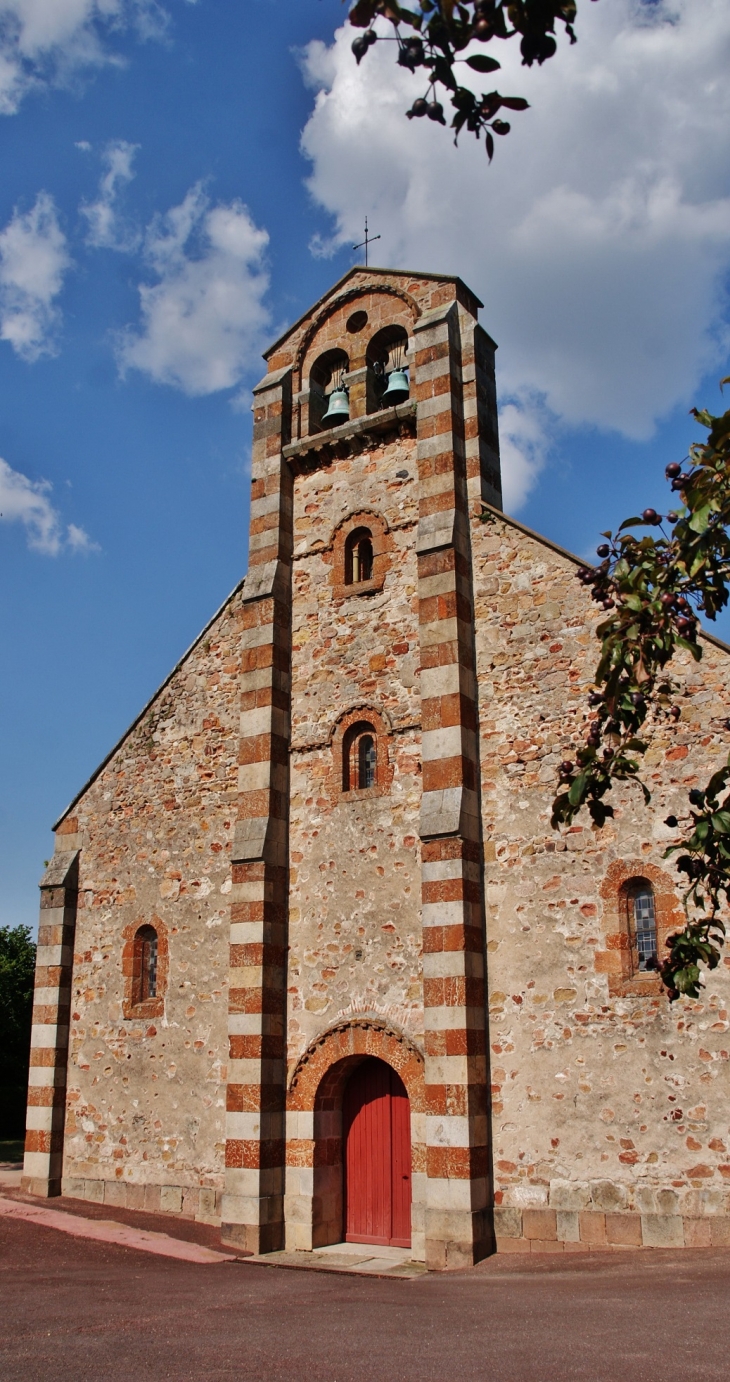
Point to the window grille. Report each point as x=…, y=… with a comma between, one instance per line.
x=644, y=920
x=359, y=757
x=367, y=762
x=145, y=963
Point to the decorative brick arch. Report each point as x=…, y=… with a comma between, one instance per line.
x=382, y=546
x=321, y=1072
x=151, y=1007
x=361, y=290
x=338, y=740
x=616, y=959
x=315, y=1185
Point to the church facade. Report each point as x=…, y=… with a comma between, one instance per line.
x=312, y=963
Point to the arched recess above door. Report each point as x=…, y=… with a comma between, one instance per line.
x=339, y=1046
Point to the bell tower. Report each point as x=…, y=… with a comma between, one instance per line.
x=357, y=917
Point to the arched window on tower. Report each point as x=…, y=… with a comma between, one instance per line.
x=359, y=557
x=144, y=984
x=359, y=758
x=642, y=923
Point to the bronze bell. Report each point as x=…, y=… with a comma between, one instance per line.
x=397, y=390
x=339, y=407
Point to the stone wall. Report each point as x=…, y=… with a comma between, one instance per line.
x=146, y=1096
x=354, y=883
x=609, y=1106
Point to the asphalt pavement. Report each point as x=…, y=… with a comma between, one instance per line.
x=75, y=1310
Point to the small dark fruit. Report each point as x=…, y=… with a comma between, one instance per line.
x=483, y=30
x=436, y=111
x=638, y=700
x=651, y=516
x=604, y=550
x=595, y=698
x=566, y=768
x=671, y=821
x=697, y=797
x=673, y=470
x=419, y=107
x=672, y=516
x=609, y=604
x=685, y=626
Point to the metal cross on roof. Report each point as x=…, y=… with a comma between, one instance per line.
x=369, y=240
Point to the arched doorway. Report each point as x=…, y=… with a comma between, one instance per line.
x=377, y=1134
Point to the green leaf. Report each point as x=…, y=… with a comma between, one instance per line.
x=700, y=520
x=577, y=789
x=721, y=822
x=481, y=63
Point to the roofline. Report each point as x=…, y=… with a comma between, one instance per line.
x=563, y=552
x=362, y=268
x=98, y=771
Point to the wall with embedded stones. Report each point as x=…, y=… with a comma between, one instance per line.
x=610, y=1107
x=146, y=1097
x=355, y=873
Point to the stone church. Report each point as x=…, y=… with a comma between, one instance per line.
x=312, y=963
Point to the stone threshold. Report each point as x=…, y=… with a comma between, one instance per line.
x=350, y=1259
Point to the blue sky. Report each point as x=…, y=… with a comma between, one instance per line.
x=180, y=181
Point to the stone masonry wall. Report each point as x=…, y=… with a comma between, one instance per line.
x=355, y=883
x=146, y=1098
x=610, y=1107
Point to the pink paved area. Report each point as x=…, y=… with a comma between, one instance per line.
x=81, y=1310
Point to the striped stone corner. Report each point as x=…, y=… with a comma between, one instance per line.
x=457, y=1227
x=43, y=1164
x=253, y=1202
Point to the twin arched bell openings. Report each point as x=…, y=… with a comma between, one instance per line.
x=335, y=395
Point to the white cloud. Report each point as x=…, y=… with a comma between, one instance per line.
x=27, y=501
x=33, y=260
x=107, y=228
x=599, y=238
x=48, y=41
x=202, y=321
x=524, y=444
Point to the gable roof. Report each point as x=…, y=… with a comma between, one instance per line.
x=361, y=269
x=148, y=705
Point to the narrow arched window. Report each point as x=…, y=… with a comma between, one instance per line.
x=359, y=758
x=145, y=964
x=642, y=921
x=366, y=762
x=359, y=557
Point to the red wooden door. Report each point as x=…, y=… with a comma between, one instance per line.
x=377, y=1133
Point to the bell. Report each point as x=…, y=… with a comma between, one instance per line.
x=339, y=407
x=397, y=390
